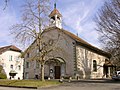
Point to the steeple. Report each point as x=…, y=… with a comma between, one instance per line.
x=55, y=18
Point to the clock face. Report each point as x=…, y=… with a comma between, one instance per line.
x=50, y=42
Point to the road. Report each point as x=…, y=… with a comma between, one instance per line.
x=79, y=85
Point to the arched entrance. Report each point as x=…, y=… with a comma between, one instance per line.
x=57, y=67
x=108, y=68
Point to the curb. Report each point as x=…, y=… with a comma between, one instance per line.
x=19, y=87
x=50, y=86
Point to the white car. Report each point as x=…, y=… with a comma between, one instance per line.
x=116, y=75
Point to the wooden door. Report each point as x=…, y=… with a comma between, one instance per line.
x=57, y=72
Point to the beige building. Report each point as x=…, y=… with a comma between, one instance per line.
x=11, y=61
x=70, y=56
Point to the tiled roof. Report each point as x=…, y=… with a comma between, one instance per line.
x=86, y=44
x=82, y=42
x=11, y=47
x=55, y=12
x=78, y=40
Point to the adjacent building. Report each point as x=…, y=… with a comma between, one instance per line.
x=71, y=56
x=10, y=59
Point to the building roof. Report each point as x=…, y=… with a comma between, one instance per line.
x=86, y=44
x=78, y=40
x=82, y=42
x=55, y=12
x=11, y=47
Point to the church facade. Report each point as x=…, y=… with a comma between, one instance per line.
x=70, y=55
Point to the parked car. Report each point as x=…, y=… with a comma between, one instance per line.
x=116, y=75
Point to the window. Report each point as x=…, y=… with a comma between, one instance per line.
x=17, y=58
x=19, y=67
x=50, y=42
x=10, y=58
x=26, y=75
x=11, y=66
x=27, y=64
x=94, y=66
x=37, y=64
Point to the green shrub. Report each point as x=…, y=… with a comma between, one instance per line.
x=3, y=76
x=1, y=68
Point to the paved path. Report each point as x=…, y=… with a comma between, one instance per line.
x=79, y=85
x=88, y=85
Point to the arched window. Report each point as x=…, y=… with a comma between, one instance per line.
x=94, y=66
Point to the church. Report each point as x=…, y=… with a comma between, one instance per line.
x=71, y=56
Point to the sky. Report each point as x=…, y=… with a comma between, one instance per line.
x=78, y=18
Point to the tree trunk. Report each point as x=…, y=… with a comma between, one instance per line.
x=42, y=72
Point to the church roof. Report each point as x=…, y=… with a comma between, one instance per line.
x=55, y=12
x=82, y=42
x=11, y=47
x=78, y=40
x=86, y=44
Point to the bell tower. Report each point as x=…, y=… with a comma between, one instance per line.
x=55, y=18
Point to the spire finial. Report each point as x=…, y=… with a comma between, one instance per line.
x=55, y=5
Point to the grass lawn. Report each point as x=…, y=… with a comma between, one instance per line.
x=28, y=83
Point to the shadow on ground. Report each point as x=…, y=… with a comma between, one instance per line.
x=95, y=81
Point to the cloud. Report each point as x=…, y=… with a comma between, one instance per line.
x=79, y=17
x=90, y=34
x=7, y=19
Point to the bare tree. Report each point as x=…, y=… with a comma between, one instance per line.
x=6, y=4
x=30, y=28
x=32, y=31
x=108, y=25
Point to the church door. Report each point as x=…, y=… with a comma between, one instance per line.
x=57, y=72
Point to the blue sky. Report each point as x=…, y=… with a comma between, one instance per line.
x=77, y=18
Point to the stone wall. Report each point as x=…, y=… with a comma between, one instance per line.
x=85, y=59
x=63, y=48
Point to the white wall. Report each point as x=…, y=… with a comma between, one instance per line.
x=16, y=61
